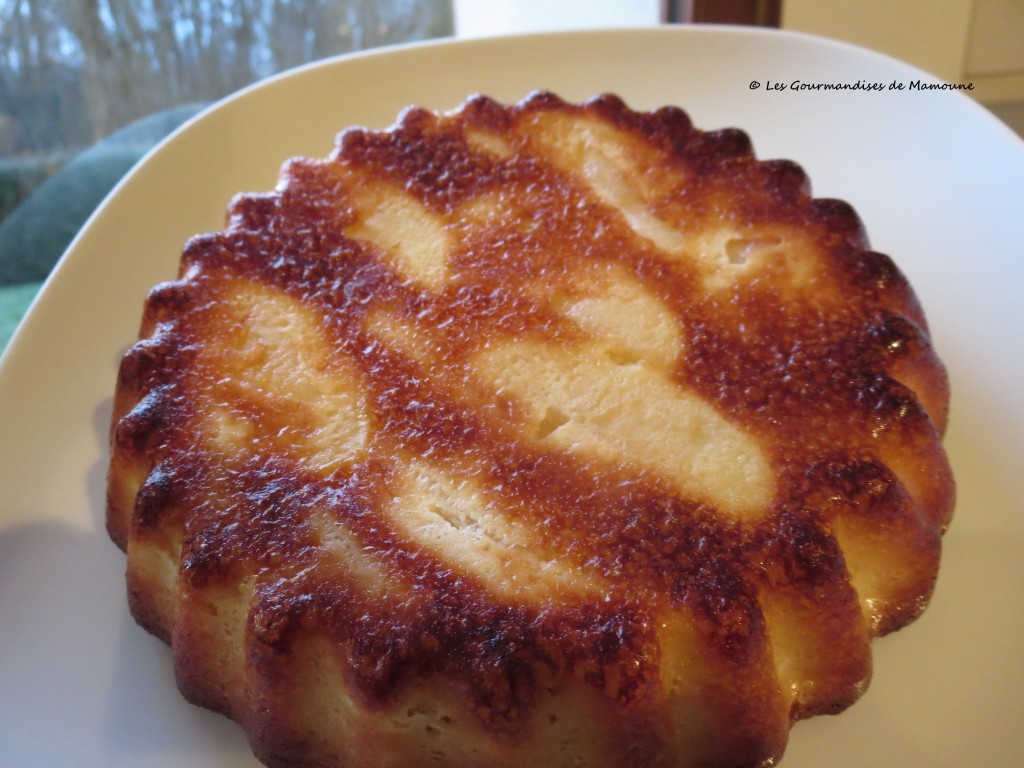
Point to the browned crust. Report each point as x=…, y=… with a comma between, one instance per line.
x=848, y=393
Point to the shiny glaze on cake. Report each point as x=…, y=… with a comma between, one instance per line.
x=547, y=434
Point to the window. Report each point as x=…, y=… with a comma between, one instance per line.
x=88, y=86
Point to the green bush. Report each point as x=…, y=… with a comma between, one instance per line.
x=20, y=177
x=34, y=236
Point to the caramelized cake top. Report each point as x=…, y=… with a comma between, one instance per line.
x=510, y=393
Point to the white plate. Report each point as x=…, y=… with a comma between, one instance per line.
x=937, y=180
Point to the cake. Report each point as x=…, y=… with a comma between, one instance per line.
x=542, y=434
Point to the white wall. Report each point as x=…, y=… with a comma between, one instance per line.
x=979, y=41
x=479, y=18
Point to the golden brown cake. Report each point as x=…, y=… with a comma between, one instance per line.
x=536, y=435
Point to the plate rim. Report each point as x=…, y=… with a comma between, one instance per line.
x=61, y=272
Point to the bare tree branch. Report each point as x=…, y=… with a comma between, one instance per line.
x=129, y=58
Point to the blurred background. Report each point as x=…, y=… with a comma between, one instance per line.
x=87, y=87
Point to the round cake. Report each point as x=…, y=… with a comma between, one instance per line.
x=542, y=434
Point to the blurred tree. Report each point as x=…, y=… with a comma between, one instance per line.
x=73, y=71
x=116, y=75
